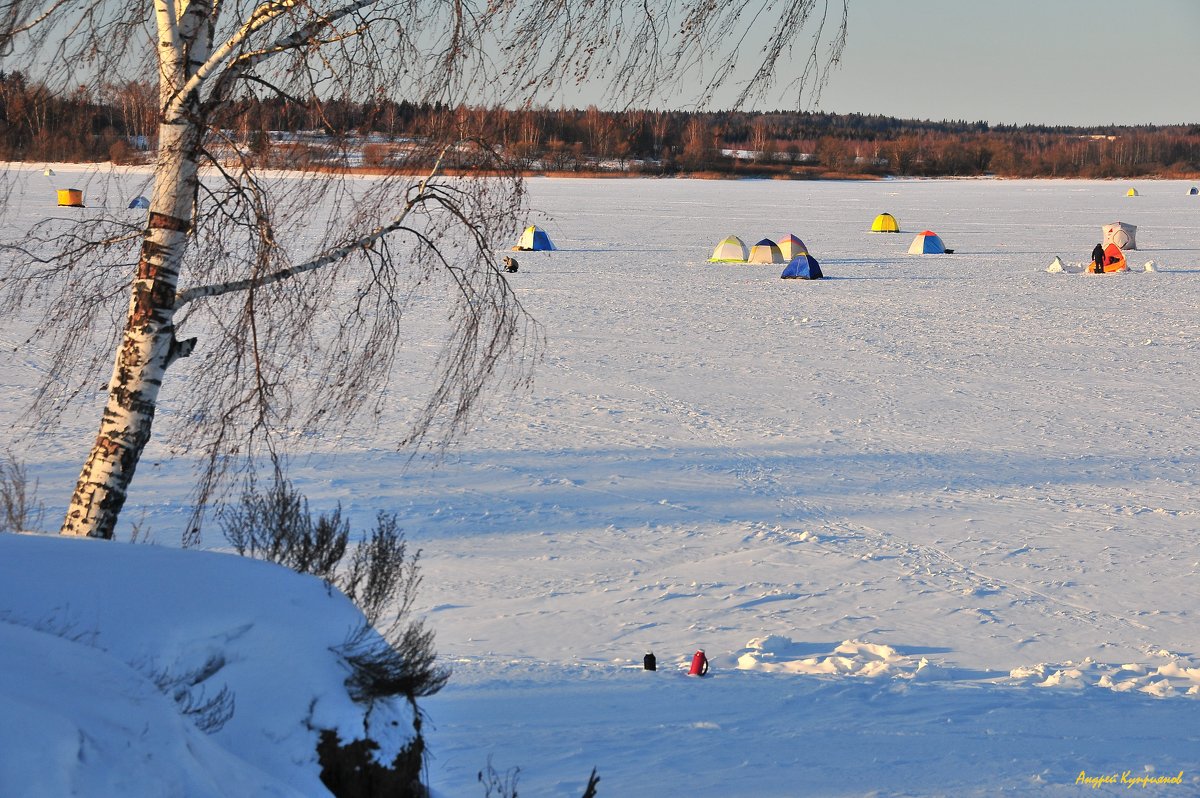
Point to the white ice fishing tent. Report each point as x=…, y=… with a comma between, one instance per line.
x=1121, y=234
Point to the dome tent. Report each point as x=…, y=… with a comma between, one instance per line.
x=1119, y=233
x=803, y=267
x=1193, y=191
x=139, y=202
x=534, y=240
x=1133, y=192
x=885, y=223
x=730, y=250
x=765, y=251
x=1114, y=261
x=790, y=247
x=927, y=243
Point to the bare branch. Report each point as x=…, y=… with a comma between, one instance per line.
x=363, y=242
x=260, y=18
x=301, y=37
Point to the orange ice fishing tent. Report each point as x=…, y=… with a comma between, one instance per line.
x=1114, y=261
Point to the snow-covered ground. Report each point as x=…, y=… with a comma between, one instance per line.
x=933, y=519
x=148, y=671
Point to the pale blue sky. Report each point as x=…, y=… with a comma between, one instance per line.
x=1021, y=61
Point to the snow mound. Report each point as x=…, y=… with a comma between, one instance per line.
x=779, y=654
x=112, y=651
x=1177, y=677
x=1059, y=266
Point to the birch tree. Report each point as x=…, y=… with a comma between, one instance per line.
x=241, y=260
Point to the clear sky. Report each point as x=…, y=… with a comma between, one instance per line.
x=1075, y=62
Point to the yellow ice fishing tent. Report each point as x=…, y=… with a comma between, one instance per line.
x=765, y=251
x=885, y=223
x=1131, y=192
x=791, y=246
x=731, y=250
x=70, y=198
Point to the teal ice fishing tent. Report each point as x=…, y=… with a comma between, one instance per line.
x=802, y=267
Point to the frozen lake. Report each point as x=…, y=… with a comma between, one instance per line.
x=933, y=519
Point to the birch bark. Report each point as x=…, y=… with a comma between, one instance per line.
x=148, y=345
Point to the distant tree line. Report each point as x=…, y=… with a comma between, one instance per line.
x=118, y=125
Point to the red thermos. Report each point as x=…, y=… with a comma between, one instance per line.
x=699, y=664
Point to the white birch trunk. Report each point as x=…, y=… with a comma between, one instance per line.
x=148, y=345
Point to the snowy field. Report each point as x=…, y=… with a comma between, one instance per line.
x=933, y=519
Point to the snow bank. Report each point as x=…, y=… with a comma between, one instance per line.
x=1178, y=677
x=102, y=644
x=778, y=654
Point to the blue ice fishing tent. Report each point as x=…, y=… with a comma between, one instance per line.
x=534, y=240
x=139, y=202
x=802, y=267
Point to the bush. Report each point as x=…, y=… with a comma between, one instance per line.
x=277, y=526
x=391, y=654
x=19, y=508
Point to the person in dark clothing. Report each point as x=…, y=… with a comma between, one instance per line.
x=1098, y=258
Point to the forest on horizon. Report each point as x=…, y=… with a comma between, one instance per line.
x=37, y=124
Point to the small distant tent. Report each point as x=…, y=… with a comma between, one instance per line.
x=791, y=246
x=534, y=240
x=1193, y=191
x=1121, y=234
x=1056, y=266
x=803, y=267
x=1131, y=192
x=139, y=202
x=765, y=251
x=885, y=223
x=927, y=243
x=731, y=250
x=49, y=172
x=1114, y=261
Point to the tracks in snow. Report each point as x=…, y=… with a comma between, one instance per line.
x=926, y=567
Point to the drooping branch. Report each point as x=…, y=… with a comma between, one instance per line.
x=363, y=242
